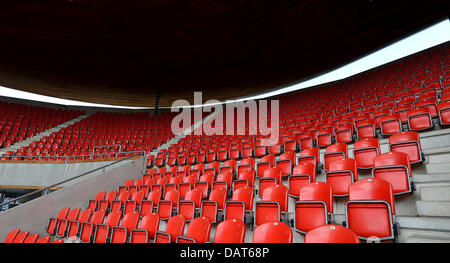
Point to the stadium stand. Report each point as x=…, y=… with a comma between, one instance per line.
x=381, y=164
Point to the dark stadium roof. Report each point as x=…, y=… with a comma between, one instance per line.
x=125, y=52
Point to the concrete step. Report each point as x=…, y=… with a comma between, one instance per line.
x=423, y=236
x=433, y=208
x=435, y=193
x=441, y=224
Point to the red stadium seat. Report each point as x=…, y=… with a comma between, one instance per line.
x=272, y=232
x=370, y=209
x=335, y=152
x=230, y=231
x=394, y=167
x=365, y=151
x=331, y=234
x=302, y=174
x=147, y=229
x=274, y=202
x=409, y=143
x=341, y=174
x=314, y=207
x=174, y=228
x=198, y=231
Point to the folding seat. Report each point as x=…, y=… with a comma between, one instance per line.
x=184, y=171
x=444, y=113
x=222, y=155
x=340, y=175
x=224, y=179
x=245, y=178
x=325, y=137
x=93, y=204
x=260, y=150
x=53, y=222
x=120, y=234
x=314, y=207
x=205, y=183
x=365, y=151
x=74, y=226
x=102, y=231
x=87, y=228
x=265, y=162
x=307, y=140
x=173, y=183
x=187, y=207
x=246, y=163
x=31, y=238
x=235, y=153
x=275, y=149
x=391, y=124
x=169, y=204
x=216, y=201
x=409, y=143
x=430, y=104
x=337, y=151
x=271, y=176
x=286, y=161
x=104, y=204
x=344, y=133
x=366, y=129
x=20, y=237
x=147, y=229
x=174, y=228
x=197, y=170
x=11, y=236
x=310, y=155
x=133, y=204
x=211, y=156
x=331, y=234
x=370, y=209
x=395, y=168
x=272, y=232
x=290, y=144
x=241, y=203
x=213, y=166
x=63, y=222
x=302, y=174
x=274, y=202
x=120, y=202
x=229, y=165
x=246, y=150
x=419, y=119
x=187, y=184
x=198, y=231
x=230, y=231
x=402, y=111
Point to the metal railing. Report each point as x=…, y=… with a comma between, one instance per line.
x=45, y=190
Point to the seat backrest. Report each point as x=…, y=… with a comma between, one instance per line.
x=98, y=217
x=113, y=218
x=12, y=235
x=305, y=169
x=154, y=196
x=199, y=229
x=230, y=231
x=331, y=234
x=219, y=195
x=273, y=172
x=346, y=164
x=63, y=213
x=248, y=161
x=247, y=174
x=194, y=195
x=226, y=176
x=150, y=223
x=73, y=214
x=130, y=220
x=406, y=136
x=392, y=159
x=175, y=226
x=338, y=147
x=277, y=193
x=372, y=189
x=85, y=215
x=174, y=196
x=318, y=191
x=244, y=194
x=269, y=159
x=272, y=232
x=100, y=196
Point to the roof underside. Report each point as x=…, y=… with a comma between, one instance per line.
x=125, y=52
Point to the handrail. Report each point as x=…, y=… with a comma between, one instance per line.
x=66, y=157
x=141, y=153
